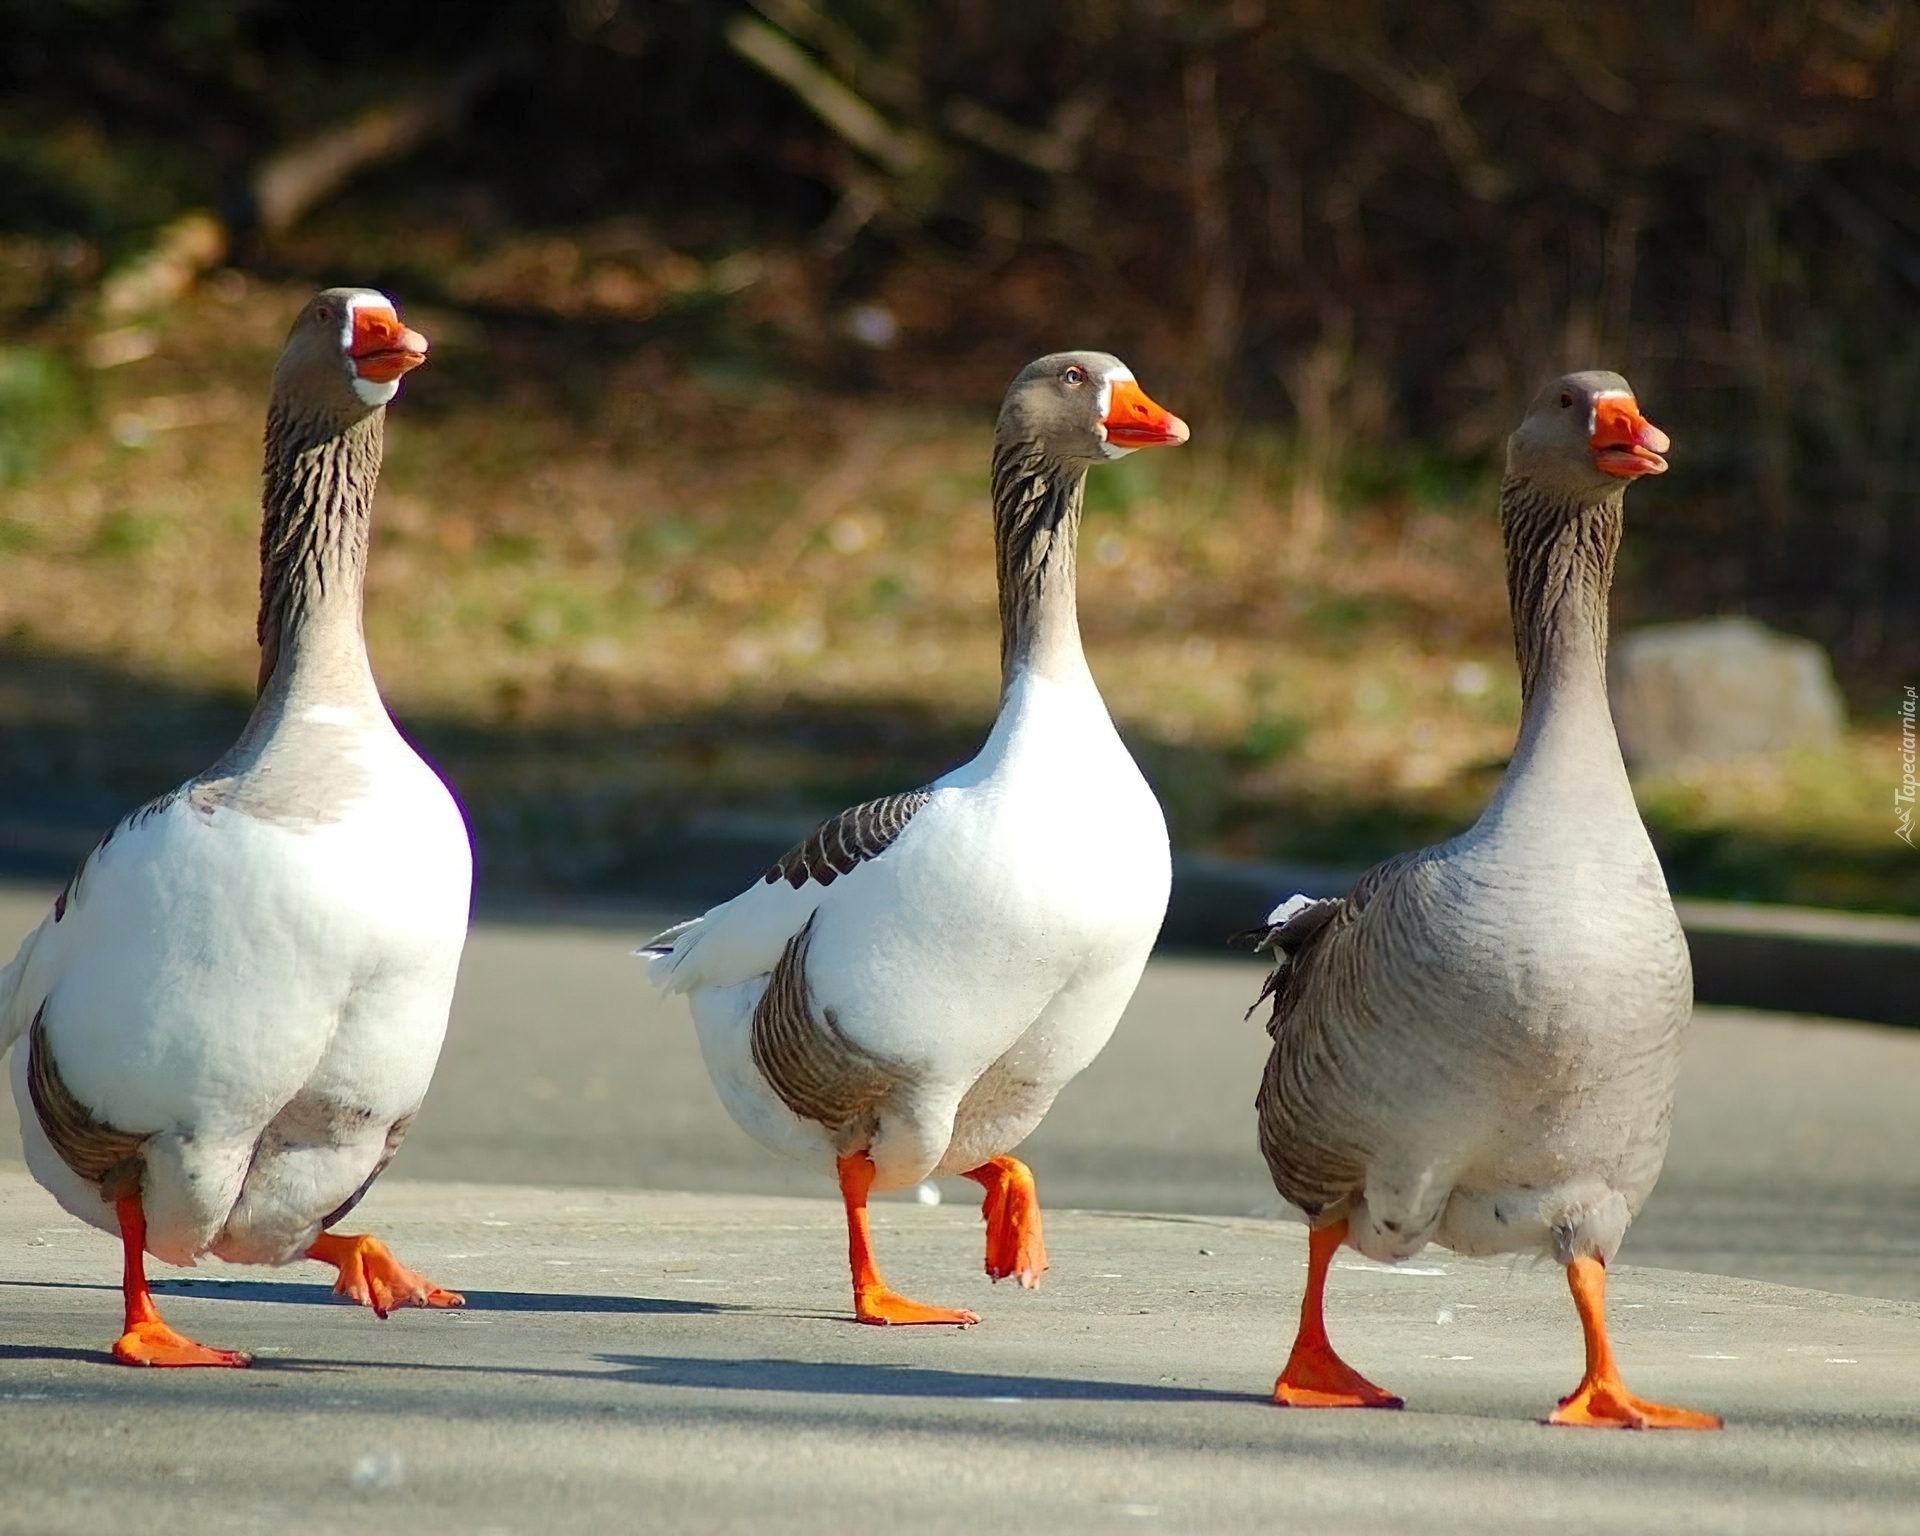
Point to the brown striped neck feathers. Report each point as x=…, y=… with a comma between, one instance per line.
x=313, y=539
x=1560, y=560
x=342, y=363
x=1561, y=511
x=1036, y=531
x=1062, y=414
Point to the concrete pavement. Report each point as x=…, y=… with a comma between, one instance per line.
x=1795, y=1155
x=685, y=1361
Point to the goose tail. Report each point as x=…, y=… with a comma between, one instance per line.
x=1289, y=928
x=18, y=1001
x=659, y=951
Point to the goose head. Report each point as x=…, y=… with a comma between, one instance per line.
x=1085, y=408
x=1584, y=437
x=345, y=356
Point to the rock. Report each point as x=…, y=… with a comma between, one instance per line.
x=1717, y=689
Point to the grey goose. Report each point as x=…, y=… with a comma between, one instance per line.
x=1477, y=1045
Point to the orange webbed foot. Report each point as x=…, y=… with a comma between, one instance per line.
x=1609, y=1405
x=372, y=1276
x=148, y=1340
x=885, y=1307
x=1315, y=1377
x=153, y=1343
x=1602, y=1400
x=873, y=1300
x=1011, y=1209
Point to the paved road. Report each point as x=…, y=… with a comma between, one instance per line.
x=1795, y=1155
x=684, y=1361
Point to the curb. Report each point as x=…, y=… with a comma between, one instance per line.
x=1800, y=960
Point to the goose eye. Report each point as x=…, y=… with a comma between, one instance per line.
x=1075, y=375
x=323, y=315
x=1566, y=401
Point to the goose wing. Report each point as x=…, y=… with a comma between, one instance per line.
x=745, y=937
x=44, y=954
x=1322, y=986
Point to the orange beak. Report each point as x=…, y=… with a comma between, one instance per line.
x=383, y=348
x=1134, y=421
x=1624, y=443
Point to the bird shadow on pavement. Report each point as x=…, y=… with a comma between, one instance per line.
x=54, y=1352
x=826, y=1378
x=844, y=1378
x=477, y=1301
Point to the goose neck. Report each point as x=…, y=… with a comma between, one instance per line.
x=317, y=501
x=1036, y=528
x=1560, y=561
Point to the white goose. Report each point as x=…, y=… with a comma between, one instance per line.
x=1477, y=1046
x=234, y=1008
x=908, y=989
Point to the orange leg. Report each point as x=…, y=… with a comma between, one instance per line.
x=372, y=1276
x=148, y=1340
x=1602, y=1400
x=1012, y=1212
x=872, y=1301
x=1315, y=1377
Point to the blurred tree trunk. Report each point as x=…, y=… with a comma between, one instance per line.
x=1215, y=264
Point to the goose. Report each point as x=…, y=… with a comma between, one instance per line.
x=1477, y=1045
x=234, y=1008
x=905, y=992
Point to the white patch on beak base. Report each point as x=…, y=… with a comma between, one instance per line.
x=1122, y=374
x=1593, y=406
x=369, y=390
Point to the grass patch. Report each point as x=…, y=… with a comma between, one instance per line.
x=1269, y=738
x=40, y=406
x=122, y=535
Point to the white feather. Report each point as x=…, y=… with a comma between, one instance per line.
x=1287, y=909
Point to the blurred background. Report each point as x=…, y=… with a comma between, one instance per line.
x=683, y=538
